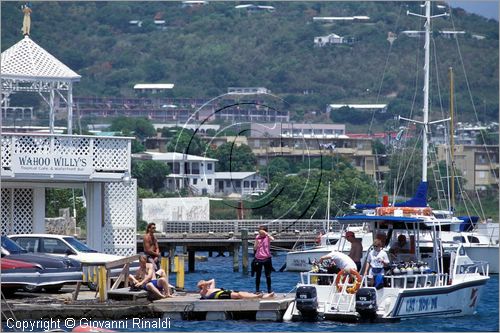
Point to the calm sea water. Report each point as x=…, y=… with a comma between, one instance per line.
x=220, y=268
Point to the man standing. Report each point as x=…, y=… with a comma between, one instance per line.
x=151, y=248
x=356, y=249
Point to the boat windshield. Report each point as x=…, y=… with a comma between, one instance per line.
x=79, y=246
x=12, y=246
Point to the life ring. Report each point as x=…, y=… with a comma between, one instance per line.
x=426, y=211
x=341, y=277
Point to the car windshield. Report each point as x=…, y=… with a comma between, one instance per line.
x=11, y=246
x=79, y=246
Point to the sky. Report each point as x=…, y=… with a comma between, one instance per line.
x=487, y=9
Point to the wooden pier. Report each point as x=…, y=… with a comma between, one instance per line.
x=217, y=244
x=185, y=306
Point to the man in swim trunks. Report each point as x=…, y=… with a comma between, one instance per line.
x=144, y=278
x=209, y=291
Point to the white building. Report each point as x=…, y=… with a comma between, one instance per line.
x=241, y=183
x=196, y=173
x=321, y=41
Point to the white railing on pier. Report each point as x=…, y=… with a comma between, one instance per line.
x=235, y=226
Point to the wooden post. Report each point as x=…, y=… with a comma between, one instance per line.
x=236, y=264
x=180, y=272
x=102, y=282
x=176, y=264
x=164, y=264
x=244, y=251
x=171, y=255
x=191, y=261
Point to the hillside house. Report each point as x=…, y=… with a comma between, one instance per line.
x=240, y=183
x=329, y=39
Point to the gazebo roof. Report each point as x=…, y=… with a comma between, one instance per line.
x=27, y=60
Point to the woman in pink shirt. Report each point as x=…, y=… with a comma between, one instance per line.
x=262, y=253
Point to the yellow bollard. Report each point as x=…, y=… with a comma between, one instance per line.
x=164, y=265
x=180, y=272
x=176, y=264
x=102, y=283
x=84, y=274
x=94, y=277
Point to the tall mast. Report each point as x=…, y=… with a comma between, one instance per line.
x=452, y=143
x=426, y=122
x=328, y=210
x=426, y=88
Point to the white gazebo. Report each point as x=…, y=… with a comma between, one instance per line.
x=27, y=67
x=34, y=162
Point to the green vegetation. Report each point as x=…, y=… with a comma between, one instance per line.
x=150, y=174
x=207, y=49
x=232, y=157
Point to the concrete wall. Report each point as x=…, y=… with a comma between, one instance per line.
x=174, y=209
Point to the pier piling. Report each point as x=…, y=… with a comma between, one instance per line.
x=236, y=264
x=244, y=250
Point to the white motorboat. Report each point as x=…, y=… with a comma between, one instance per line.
x=301, y=260
x=431, y=284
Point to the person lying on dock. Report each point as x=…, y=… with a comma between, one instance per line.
x=209, y=291
x=143, y=279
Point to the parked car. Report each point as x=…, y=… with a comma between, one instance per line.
x=68, y=246
x=49, y=272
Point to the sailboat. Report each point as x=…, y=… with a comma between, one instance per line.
x=425, y=282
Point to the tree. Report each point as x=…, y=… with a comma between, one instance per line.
x=234, y=158
x=405, y=170
x=187, y=142
x=140, y=127
x=150, y=174
x=378, y=147
x=58, y=198
x=487, y=138
x=278, y=166
x=305, y=195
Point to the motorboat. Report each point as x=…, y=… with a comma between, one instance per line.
x=302, y=260
x=424, y=282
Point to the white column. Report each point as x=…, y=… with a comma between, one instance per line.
x=51, y=109
x=39, y=210
x=94, y=215
x=70, y=108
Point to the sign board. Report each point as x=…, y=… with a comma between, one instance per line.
x=51, y=164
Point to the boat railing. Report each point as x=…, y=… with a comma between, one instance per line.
x=415, y=281
x=478, y=267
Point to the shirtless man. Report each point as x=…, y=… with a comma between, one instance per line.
x=151, y=248
x=143, y=278
x=209, y=291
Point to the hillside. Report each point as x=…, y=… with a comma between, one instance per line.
x=206, y=49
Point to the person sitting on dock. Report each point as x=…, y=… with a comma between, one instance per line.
x=209, y=291
x=144, y=279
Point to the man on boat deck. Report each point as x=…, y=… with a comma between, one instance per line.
x=400, y=246
x=341, y=260
x=209, y=291
x=356, y=251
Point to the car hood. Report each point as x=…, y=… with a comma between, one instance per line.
x=47, y=262
x=95, y=257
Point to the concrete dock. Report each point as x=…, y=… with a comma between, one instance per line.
x=184, y=306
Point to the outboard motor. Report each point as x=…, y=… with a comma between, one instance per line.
x=306, y=300
x=366, y=303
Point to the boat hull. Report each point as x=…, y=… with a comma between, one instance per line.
x=486, y=253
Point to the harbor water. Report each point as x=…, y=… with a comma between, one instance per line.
x=485, y=320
